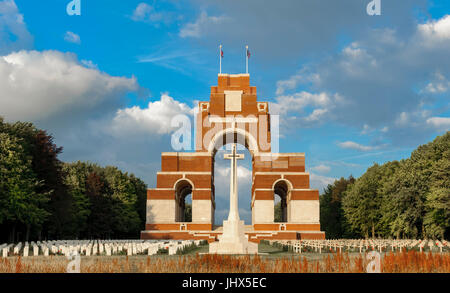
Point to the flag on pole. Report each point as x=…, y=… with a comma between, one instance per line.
x=247, y=53
x=220, y=59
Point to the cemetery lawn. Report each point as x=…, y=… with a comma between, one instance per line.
x=272, y=259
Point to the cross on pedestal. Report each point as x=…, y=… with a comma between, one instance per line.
x=233, y=239
x=234, y=211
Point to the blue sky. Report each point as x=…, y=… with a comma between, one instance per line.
x=352, y=89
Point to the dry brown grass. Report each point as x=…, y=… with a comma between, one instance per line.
x=399, y=262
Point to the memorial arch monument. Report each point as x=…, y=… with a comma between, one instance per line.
x=233, y=115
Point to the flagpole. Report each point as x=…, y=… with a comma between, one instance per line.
x=220, y=59
x=246, y=59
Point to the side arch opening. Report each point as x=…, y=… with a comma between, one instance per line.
x=281, y=190
x=183, y=201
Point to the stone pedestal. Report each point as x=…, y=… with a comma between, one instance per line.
x=233, y=240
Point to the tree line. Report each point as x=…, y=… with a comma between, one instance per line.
x=43, y=198
x=399, y=199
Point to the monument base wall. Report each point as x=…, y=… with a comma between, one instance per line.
x=212, y=236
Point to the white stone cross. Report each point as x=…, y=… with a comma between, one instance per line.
x=233, y=239
x=234, y=212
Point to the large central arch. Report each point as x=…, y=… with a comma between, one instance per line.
x=233, y=114
x=221, y=187
x=233, y=135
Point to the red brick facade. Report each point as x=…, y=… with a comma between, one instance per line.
x=243, y=120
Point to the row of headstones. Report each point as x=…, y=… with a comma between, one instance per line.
x=364, y=245
x=54, y=247
x=94, y=247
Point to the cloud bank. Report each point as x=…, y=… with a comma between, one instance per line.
x=37, y=85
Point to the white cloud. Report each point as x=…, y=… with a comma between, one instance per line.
x=402, y=119
x=440, y=123
x=37, y=85
x=292, y=82
x=285, y=32
x=197, y=29
x=141, y=11
x=321, y=168
x=320, y=182
x=366, y=129
x=72, y=37
x=298, y=101
x=316, y=115
x=412, y=119
x=439, y=85
x=14, y=34
x=289, y=84
x=156, y=118
x=384, y=79
x=89, y=64
x=355, y=146
x=147, y=13
x=242, y=172
x=304, y=107
x=437, y=30
x=353, y=51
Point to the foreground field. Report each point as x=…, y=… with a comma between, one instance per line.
x=273, y=262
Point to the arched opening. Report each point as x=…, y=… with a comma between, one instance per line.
x=281, y=190
x=222, y=173
x=220, y=144
x=233, y=135
x=183, y=201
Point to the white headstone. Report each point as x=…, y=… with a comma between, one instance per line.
x=25, y=250
x=5, y=251
x=108, y=250
x=17, y=248
x=35, y=250
x=129, y=249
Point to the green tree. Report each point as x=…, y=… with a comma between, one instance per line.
x=437, y=217
x=20, y=202
x=278, y=213
x=437, y=204
x=332, y=219
x=416, y=196
x=49, y=199
x=39, y=146
x=100, y=224
x=123, y=192
x=362, y=202
x=49, y=170
x=107, y=202
x=188, y=212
